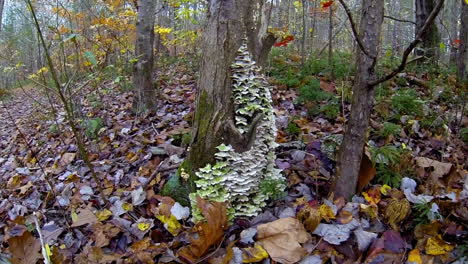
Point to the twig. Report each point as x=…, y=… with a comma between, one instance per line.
x=153, y=175
x=399, y=19
x=353, y=27
x=44, y=251
x=212, y=253
x=412, y=45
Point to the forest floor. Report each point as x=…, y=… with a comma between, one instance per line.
x=421, y=218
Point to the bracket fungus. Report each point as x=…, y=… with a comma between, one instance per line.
x=239, y=177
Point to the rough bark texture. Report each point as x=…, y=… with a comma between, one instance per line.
x=2, y=4
x=462, y=69
x=143, y=72
x=257, y=15
x=431, y=39
x=221, y=40
x=354, y=138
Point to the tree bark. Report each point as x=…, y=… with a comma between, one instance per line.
x=256, y=17
x=2, y=4
x=143, y=71
x=431, y=39
x=354, y=137
x=221, y=40
x=462, y=71
x=453, y=13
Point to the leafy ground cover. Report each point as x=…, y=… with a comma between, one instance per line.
x=411, y=206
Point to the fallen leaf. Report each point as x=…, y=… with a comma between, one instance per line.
x=254, y=254
x=414, y=257
x=396, y=212
x=282, y=238
x=206, y=233
x=84, y=217
x=366, y=172
x=103, y=215
x=335, y=234
x=393, y=241
x=372, y=196
x=310, y=217
x=24, y=249
x=326, y=212
x=66, y=159
x=440, y=168
x=170, y=223
x=437, y=246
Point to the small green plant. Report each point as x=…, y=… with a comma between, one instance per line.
x=313, y=93
x=54, y=129
x=464, y=134
x=389, y=129
x=331, y=110
x=94, y=101
x=422, y=212
x=293, y=129
x=270, y=187
x=389, y=165
x=182, y=139
x=406, y=102
x=92, y=127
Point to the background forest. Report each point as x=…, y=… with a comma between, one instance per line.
x=233, y=131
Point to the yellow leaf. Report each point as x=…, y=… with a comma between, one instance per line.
x=437, y=246
x=103, y=215
x=143, y=226
x=47, y=249
x=372, y=196
x=384, y=189
x=74, y=216
x=370, y=210
x=326, y=212
x=414, y=257
x=170, y=223
x=310, y=218
x=254, y=254
x=127, y=206
x=62, y=246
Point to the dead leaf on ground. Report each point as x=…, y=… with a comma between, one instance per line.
x=366, y=172
x=207, y=233
x=282, y=238
x=440, y=168
x=24, y=249
x=84, y=217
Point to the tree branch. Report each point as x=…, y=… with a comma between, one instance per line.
x=353, y=27
x=399, y=20
x=411, y=46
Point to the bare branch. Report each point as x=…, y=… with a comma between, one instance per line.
x=412, y=45
x=399, y=19
x=353, y=27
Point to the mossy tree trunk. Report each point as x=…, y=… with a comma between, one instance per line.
x=143, y=71
x=214, y=107
x=354, y=139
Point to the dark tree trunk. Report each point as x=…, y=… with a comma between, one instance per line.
x=2, y=4
x=453, y=13
x=462, y=71
x=143, y=71
x=431, y=39
x=355, y=135
x=221, y=40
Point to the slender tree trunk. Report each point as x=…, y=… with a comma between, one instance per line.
x=453, y=13
x=304, y=31
x=431, y=39
x=330, y=43
x=143, y=72
x=462, y=71
x=2, y=4
x=354, y=138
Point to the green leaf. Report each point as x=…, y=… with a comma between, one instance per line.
x=89, y=55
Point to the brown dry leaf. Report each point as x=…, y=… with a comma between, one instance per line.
x=95, y=255
x=103, y=233
x=66, y=159
x=310, y=217
x=327, y=86
x=366, y=173
x=207, y=233
x=396, y=211
x=345, y=217
x=145, y=250
x=282, y=238
x=84, y=217
x=24, y=249
x=440, y=168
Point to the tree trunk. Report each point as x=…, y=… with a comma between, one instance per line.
x=143, y=71
x=330, y=43
x=221, y=40
x=2, y=4
x=354, y=139
x=453, y=13
x=257, y=15
x=431, y=39
x=462, y=71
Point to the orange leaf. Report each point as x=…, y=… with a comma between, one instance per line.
x=207, y=233
x=366, y=173
x=327, y=4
